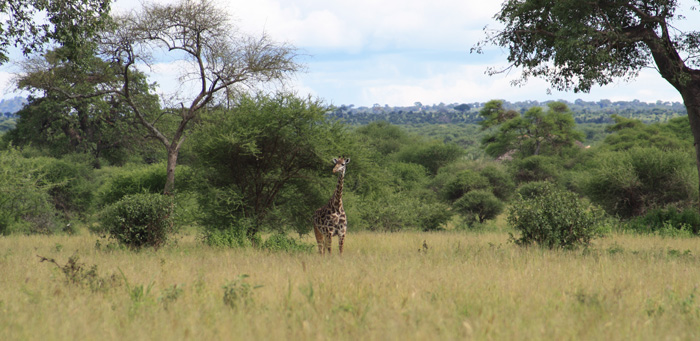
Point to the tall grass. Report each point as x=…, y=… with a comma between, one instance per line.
x=384, y=287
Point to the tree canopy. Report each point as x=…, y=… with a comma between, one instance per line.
x=70, y=23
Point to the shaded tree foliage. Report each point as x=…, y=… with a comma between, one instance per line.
x=534, y=133
x=261, y=161
x=577, y=44
x=70, y=23
x=74, y=114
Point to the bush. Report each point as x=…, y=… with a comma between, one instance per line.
x=554, y=219
x=140, y=179
x=280, y=242
x=140, y=220
x=232, y=236
x=532, y=189
x=70, y=184
x=502, y=184
x=479, y=204
x=464, y=182
x=535, y=168
x=660, y=219
x=630, y=183
x=25, y=201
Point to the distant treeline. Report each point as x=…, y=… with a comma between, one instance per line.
x=583, y=112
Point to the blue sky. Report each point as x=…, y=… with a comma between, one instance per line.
x=394, y=52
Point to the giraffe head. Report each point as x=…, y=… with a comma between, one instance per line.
x=340, y=164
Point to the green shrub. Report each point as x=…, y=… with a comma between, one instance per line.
x=554, y=219
x=629, y=183
x=433, y=215
x=280, y=242
x=668, y=218
x=25, y=203
x=502, y=184
x=479, y=205
x=140, y=220
x=532, y=189
x=535, y=168
x=464, y=182
x=70, y=183
x=141, y=179
x=231, y=236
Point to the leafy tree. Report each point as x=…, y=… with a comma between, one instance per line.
x=70, y=23
x=629, y=133
x=629, y=183
x=261, y=161
x=75, y=114
x=479, y=204
x=577, y=44
x=531, y=134
x=431, y=155
x=217, y=57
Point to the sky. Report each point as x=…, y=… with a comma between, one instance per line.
x=392, y=52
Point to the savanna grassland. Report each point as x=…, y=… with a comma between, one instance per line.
x=466, y=285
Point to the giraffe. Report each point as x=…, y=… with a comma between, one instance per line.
x=330, y=220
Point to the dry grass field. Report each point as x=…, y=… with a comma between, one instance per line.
x=464, y=286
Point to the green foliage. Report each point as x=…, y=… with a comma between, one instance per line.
x=501, y=182
x=536, y=168
x=263, y=157
x=232, y=237
x=660, y=219
x=139, y=220
x=239, y=293
x=82, y=122
x=25, y=202
x=533, y=189
x=384, y=137
x=631, y=182
x=464, y=182
x=629, y=133
x=124, y=181
x=432, y=155
x=73, y=24
x=479, y=204
x=71, y=183
x=280, y=242
x=554, y=219
x=536, y=132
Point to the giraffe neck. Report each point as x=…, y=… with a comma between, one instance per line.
x=337, y=199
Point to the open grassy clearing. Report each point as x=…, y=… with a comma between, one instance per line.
x=466, y=285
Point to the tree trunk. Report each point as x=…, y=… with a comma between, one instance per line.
x=170, y=174
x=691, y=98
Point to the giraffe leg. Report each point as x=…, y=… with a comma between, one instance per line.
x=327, y=242
x=319, y=239
x=341, y=240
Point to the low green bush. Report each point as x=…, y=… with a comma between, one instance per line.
x=555, y=218
x=232, y=236
x=656, y=220
x=479, y=205
x=140, y=220
x=280, y=242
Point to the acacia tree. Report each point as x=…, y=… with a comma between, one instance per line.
x=528, y=134
x=216, y=57
x=71, y=23
x=576, y=44
x=73, y=112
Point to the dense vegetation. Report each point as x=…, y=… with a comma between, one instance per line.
x=263, y=165
x=95, y=147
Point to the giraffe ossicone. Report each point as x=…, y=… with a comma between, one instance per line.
x=330, y=220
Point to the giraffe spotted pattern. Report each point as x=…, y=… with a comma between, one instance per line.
x=330, y=220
